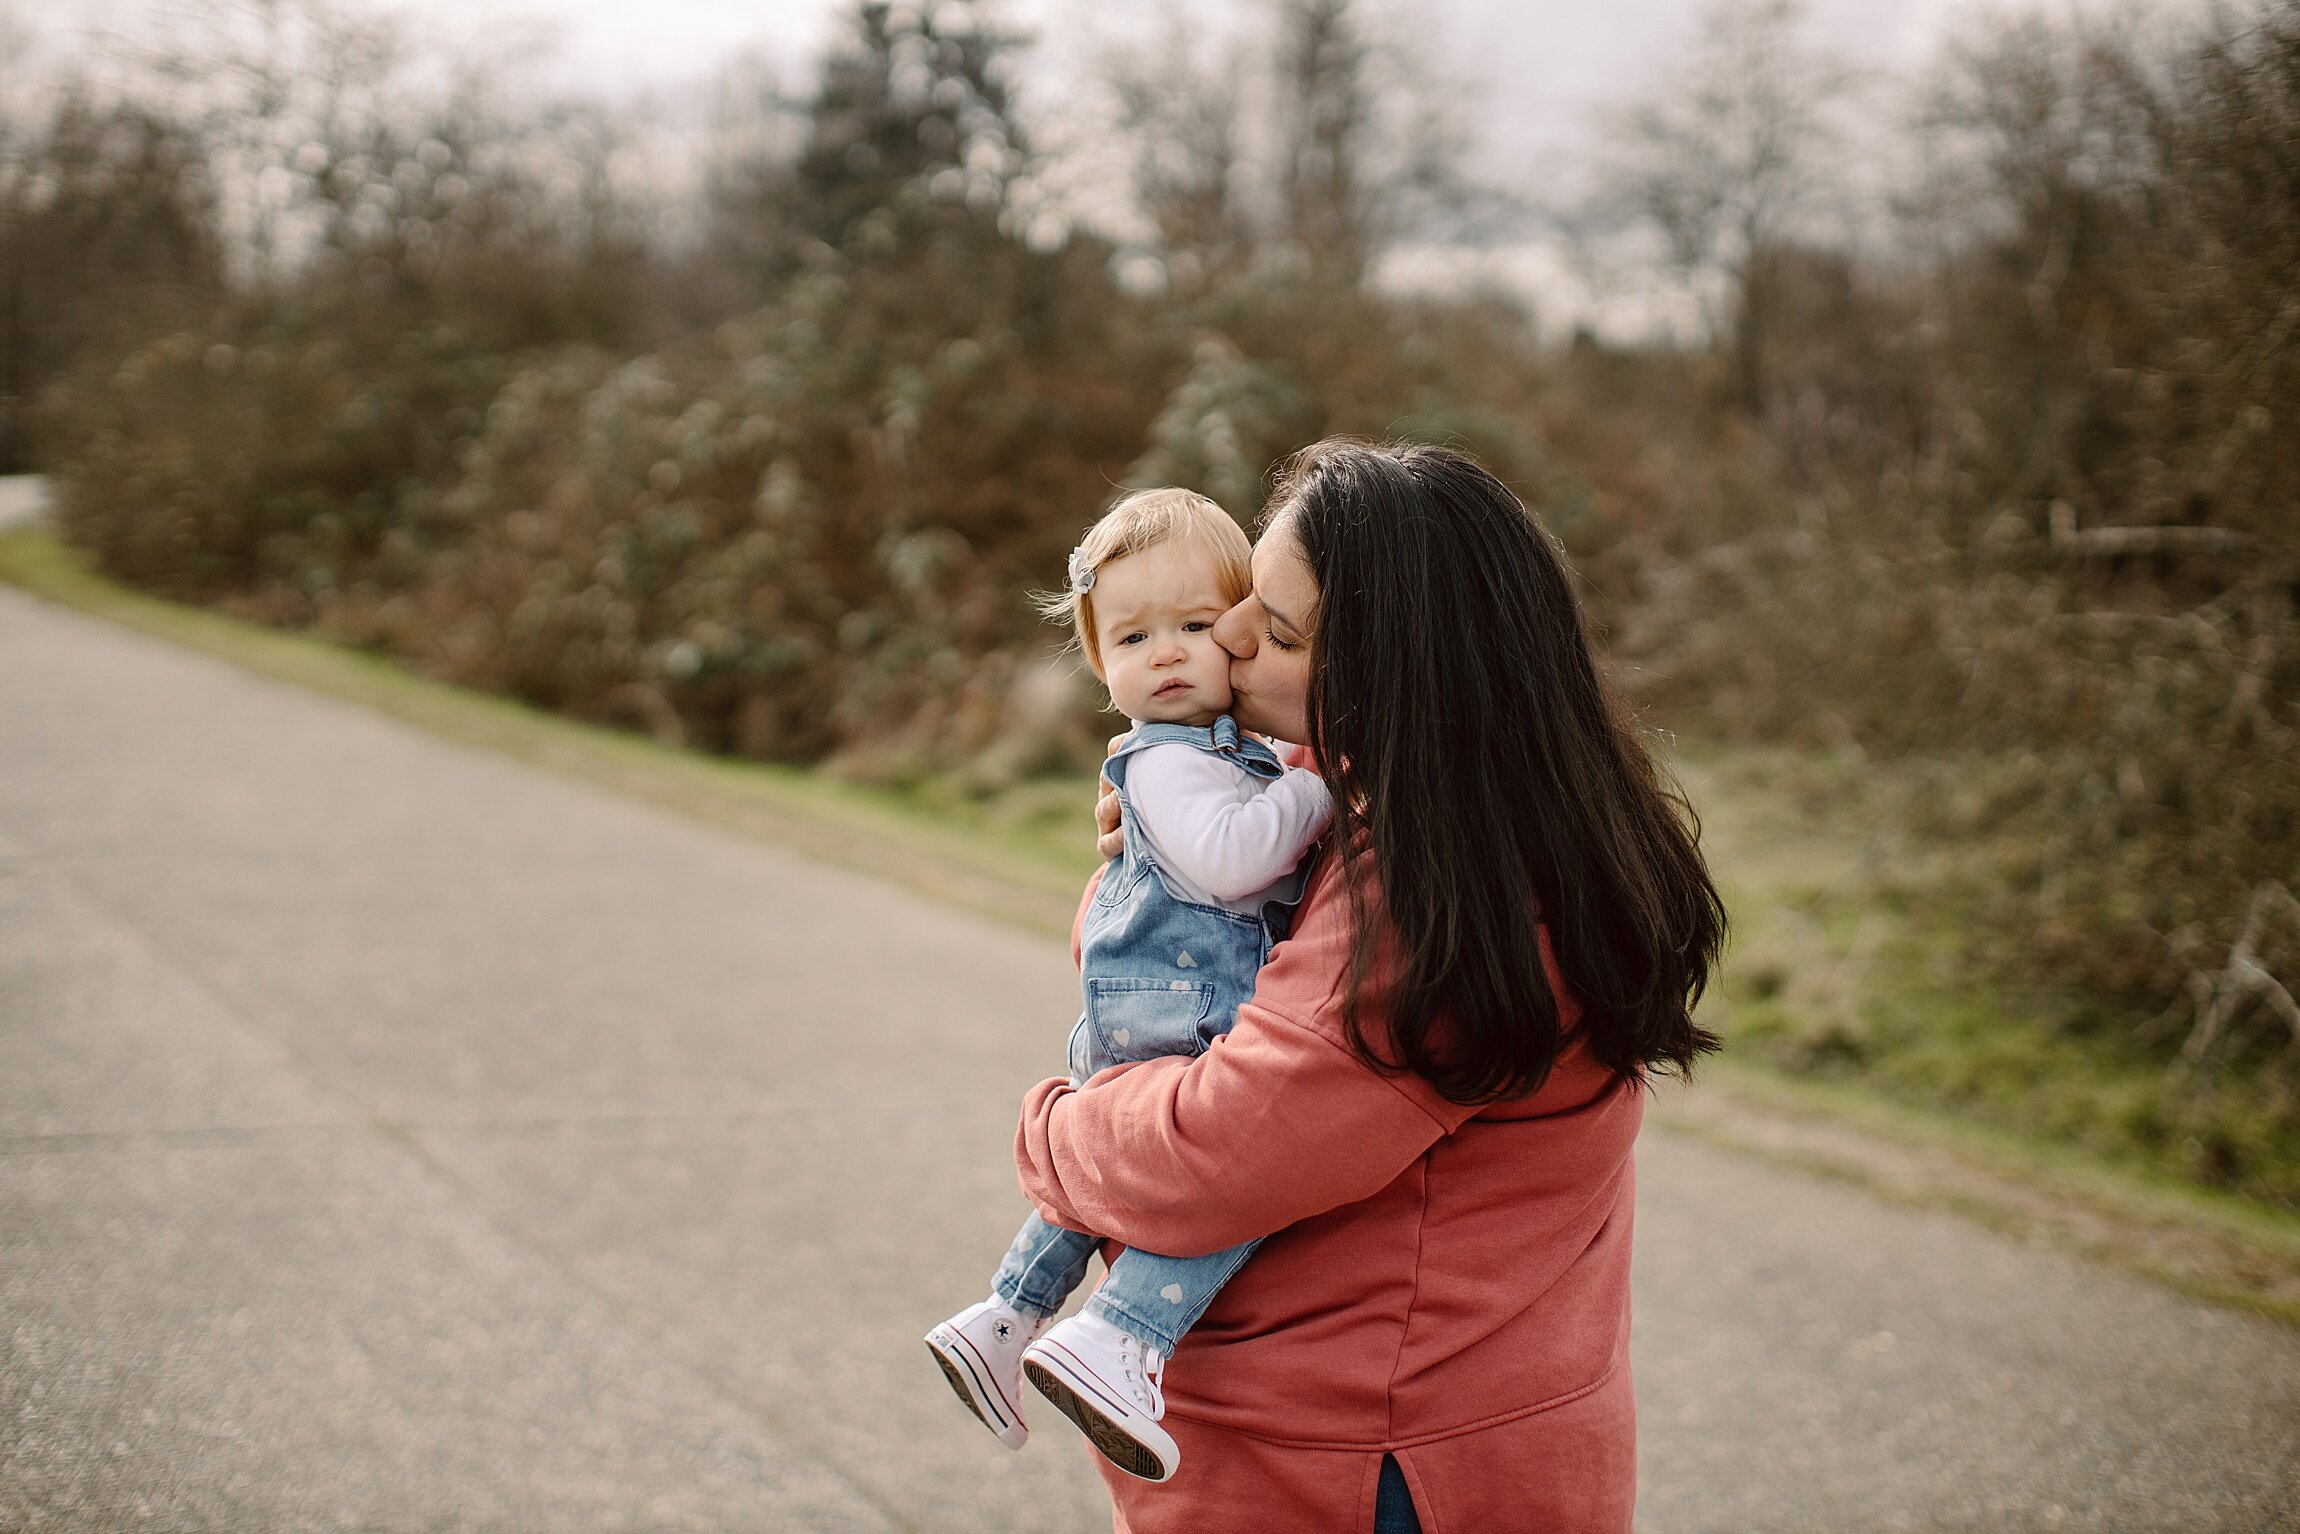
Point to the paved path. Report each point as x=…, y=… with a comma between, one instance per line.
x=23, y=498
x=394, y=1137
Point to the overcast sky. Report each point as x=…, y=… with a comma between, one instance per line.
x=1532, y=71
x=1536, y=64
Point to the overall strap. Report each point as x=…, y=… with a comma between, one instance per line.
x=1222, y=738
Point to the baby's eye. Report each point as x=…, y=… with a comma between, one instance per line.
x=1134, y=638
x=1196, y=626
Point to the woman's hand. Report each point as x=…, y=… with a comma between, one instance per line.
x=1110, y=838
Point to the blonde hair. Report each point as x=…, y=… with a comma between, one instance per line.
x=1144, y=519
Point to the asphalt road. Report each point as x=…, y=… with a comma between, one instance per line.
x=23, y=498
x=393, y=1137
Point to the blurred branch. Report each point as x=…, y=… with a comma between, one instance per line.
x=1723, y=159
x=1181, y=112
x=2221, y=996
x=2103, y=542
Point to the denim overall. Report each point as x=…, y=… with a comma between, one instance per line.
x=1162, y=976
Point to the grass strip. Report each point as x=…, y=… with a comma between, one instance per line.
x=2216, y=1248
x=949, y=850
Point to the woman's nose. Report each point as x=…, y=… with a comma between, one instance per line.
x=1234, y=631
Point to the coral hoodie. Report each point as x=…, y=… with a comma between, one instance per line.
x=1446, y=1284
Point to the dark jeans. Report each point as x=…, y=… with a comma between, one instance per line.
x=1393, y=1504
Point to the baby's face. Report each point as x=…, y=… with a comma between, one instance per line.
x=1154, y=618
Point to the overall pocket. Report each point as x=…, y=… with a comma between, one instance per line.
x=1144, y=1019
x=1075, y=1052
x=1119, y=877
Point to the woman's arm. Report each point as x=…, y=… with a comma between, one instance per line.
x=1279, y=1121
x=1185, y=1157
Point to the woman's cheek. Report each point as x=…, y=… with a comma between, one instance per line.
x=1285, y=687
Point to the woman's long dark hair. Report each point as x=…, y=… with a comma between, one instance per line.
x=1489, y=777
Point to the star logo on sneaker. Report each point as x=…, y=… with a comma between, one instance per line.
x=1005, y=1329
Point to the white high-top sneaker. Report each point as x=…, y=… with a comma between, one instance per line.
x=980, y=1350
x=1112, y=1385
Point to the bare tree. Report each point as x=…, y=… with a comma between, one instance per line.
x=1373, y=147
x=1181, y=114
x=107, y=229
x=1329, y=144
x=1327, y=111
x=255, y=82
x=754, y=128
x=1725, y=160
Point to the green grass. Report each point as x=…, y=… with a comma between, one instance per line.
x=2214, y=1246
x=1851, y=1052
x=1843, y=1004
x=1854, y=962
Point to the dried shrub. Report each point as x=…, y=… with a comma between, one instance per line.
x=2033, y=539
x=2003, y=514
x=107, y=232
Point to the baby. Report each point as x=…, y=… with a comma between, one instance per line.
x=1216, y=829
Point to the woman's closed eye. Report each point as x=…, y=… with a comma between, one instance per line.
x=1271, y=635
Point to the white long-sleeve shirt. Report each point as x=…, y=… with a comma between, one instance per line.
x=1222, y=836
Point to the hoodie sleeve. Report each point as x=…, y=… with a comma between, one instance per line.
x=1279, y=1121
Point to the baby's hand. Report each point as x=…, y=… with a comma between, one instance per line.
x=1110, y=838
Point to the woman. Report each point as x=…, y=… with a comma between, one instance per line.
x=1428, y=1106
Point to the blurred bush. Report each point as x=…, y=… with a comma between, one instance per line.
x=107, y=233
x=2034, y=538
x=805, y=532
x=1998, y=509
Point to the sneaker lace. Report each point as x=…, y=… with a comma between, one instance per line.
x=1146, y=1371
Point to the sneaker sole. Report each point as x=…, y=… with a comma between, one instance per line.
x=965, y=1389
x=1116, y=1444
